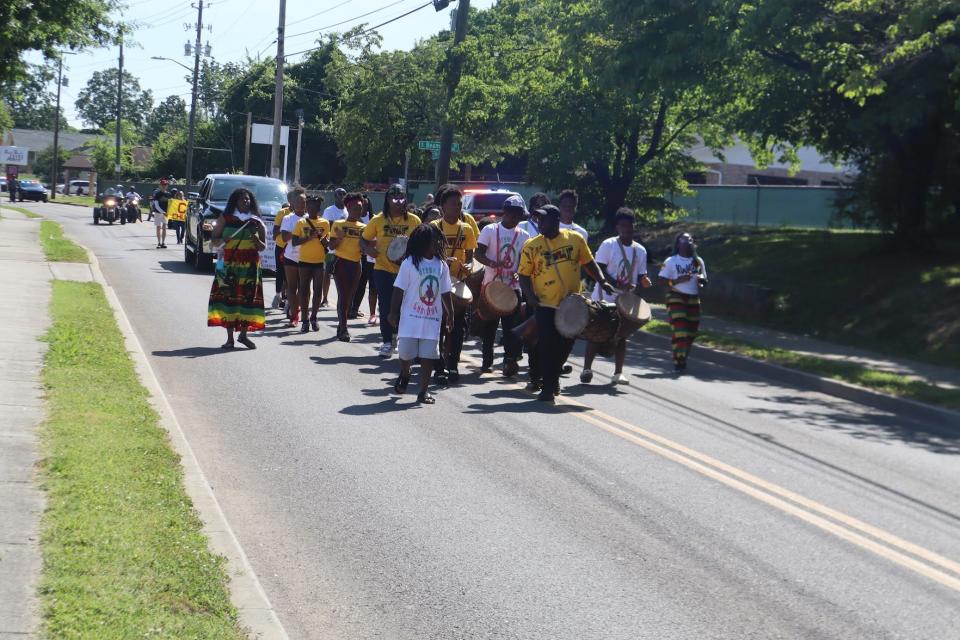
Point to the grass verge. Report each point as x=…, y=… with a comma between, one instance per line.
x=26, y=212
x=85, y=201
x=58, y=247
x=123, y=552
x=884, y=382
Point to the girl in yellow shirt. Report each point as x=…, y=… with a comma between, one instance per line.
x=311, y=236
x=345, y=243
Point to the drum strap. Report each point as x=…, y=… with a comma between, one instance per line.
x=630, y=263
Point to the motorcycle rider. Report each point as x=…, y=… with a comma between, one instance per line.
x=132, y=195
x=158, y=207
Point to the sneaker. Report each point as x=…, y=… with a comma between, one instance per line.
x=546, y=396
x=510, y=368
x=163, y=245
x=486, y=366
x=566, y=370
x=586, y=376
x=344, y=337
x=534, y=386
x=621, y=378
x=396, y=349
x=386, y=349
x=324, y=304
x=440, y=378
x=305, y=328
x=453, y=376
x=313, y=324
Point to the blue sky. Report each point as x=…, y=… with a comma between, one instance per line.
x=238, y=26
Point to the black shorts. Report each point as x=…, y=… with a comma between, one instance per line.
x=310, y=266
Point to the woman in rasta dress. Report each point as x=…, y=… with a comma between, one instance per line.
x=236, y=297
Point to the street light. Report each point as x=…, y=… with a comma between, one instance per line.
x=173, y=61
x=193, y=116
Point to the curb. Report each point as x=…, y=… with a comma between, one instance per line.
x=947, y=420
x=256, y=614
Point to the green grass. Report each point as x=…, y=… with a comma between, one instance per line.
x=86, y=201
x=123, y=552
x=884, y=382
x=57, y=247
x=26, y=212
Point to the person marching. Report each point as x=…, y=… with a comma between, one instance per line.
x=461, y=242
x=280, y=297
x=550, y=271
x=158, y=207
x=536, y=203
x=685, y=273
x=345, y=243
x=420, y=303
x=332, y=214
x=498, y=250
x=393, y=222
x=311, y=236
x=624, y=261
x=366, y=277
x=532, y=226
x=236, y=296
x=297, y=198
x=567, y=202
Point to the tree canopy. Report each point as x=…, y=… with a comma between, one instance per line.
x=97, y=102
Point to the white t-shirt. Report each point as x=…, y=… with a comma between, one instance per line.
x=528, y=226
x=503, y=245
x=422, y=309
x=676, y=266
x=290, y=252
x=333, y=213
x=622, y=273
x=573, y=226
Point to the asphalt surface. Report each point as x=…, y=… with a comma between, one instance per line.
x=717, y=505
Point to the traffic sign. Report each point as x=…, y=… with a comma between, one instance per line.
x=434, y=145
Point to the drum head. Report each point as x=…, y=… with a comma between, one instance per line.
x=397, y=249
x=462, y=291
x=633, y=307
x=572, y=316
x=500, y=296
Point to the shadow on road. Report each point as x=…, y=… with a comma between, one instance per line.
x=388, y=405
x=195, y=352
x=179, y=266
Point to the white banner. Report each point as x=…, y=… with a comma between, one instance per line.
x=263, y=134
x=14, y=155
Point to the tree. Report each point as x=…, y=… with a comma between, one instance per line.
x=49, y=25
x=44, y=162
x=97, y=102
x=6, y=120
x=169, y=115
x=30, y=101
x=103, y=151
x=170, y=152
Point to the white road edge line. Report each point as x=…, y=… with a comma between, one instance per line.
x=257, y=615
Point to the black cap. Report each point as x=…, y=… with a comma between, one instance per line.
x=549, y=210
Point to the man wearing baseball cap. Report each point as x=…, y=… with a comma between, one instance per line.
x=158, y=207
x=549, y=272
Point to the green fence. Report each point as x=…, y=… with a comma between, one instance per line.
x=762, y=206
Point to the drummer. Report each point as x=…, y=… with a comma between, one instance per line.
x=624, y=261
x=393, y=222
x=549, y=272
x=461, y=241
x=498, y=250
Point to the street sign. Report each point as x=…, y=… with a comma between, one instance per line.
x=18, y=155
x=434, y=145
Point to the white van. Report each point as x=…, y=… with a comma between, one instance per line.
x=79, y=188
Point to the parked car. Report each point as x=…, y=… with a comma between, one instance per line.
x=61, y=187
x=32, y=190
x=208, y=203
x=486, y=205
x=79, y=188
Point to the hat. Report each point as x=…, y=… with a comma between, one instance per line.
x=514, y=202
x=550, y=210
x=340, y=191
x=397, y=188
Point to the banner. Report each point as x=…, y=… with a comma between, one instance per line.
x=14, y=155
x=177, y=210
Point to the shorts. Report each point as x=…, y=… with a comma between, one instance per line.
x=310, y=266
x=411, y=348
x=159, y=220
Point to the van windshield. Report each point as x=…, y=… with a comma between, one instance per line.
x=266, y=191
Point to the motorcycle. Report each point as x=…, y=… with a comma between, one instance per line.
x=109, y=210
x=133, y=208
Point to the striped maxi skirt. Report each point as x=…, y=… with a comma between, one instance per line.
x=684, y=313
x=236, y=296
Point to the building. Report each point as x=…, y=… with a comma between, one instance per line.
x=735, y=166
x=36, y=141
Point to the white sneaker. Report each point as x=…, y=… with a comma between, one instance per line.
x=396, y=340
x=386, y=349
x=586, y=376
x=621, y=378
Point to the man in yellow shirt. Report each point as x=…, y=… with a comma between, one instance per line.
x=461, y=241
x=549, y=272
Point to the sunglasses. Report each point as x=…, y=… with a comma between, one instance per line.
x=400, y=199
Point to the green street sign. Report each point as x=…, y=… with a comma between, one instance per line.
x=434, y=145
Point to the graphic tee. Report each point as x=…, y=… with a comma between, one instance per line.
x=384, y=231
x=423, y=287
x=290, y=251
x=311, y=251
x=349, y=249
x=554, y=265
x=460, y=238
x=503, y=246
x=676, y=266
x=624, y=267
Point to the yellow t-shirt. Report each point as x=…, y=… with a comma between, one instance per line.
x=460, y=238
x=470, y=220
x=349, y=248
x=276, y=222
x=384, y=231
x=312, y=250
x=567, y=252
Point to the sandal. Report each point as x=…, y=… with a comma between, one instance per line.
x=247, y=342
x=372, y=321
x=425, y=397
x=400, y=386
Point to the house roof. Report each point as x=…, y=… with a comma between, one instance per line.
x=79, y=161
x=39, y=140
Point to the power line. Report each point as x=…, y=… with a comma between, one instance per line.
x=320, y=13
x=337, y=24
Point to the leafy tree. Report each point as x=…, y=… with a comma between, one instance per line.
x=97, y=102
x=6, y=120
x=44, y=161
x=170, y=114
x=170, y=152
x=30, y=101
x=103, y=150
x=49, y=25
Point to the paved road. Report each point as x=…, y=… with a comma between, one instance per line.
x=719, y=505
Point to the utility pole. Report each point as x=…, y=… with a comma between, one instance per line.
x=278, y=95
x=296, y=162
x=116, y=166
x=454, y=69
x=193, y=96
x=246, y=147
x=56, y=131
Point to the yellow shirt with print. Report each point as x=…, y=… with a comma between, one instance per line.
x=384, y=231
x=460, y=238
x=554, y=265
x=350, y=231
x=470, y=220
x=312, y=250
x=277, y=221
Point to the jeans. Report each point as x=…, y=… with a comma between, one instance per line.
x=512, y=345
x=552, y=348
x=383, y=281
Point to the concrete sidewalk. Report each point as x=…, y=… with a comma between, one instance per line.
x=945, y=377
